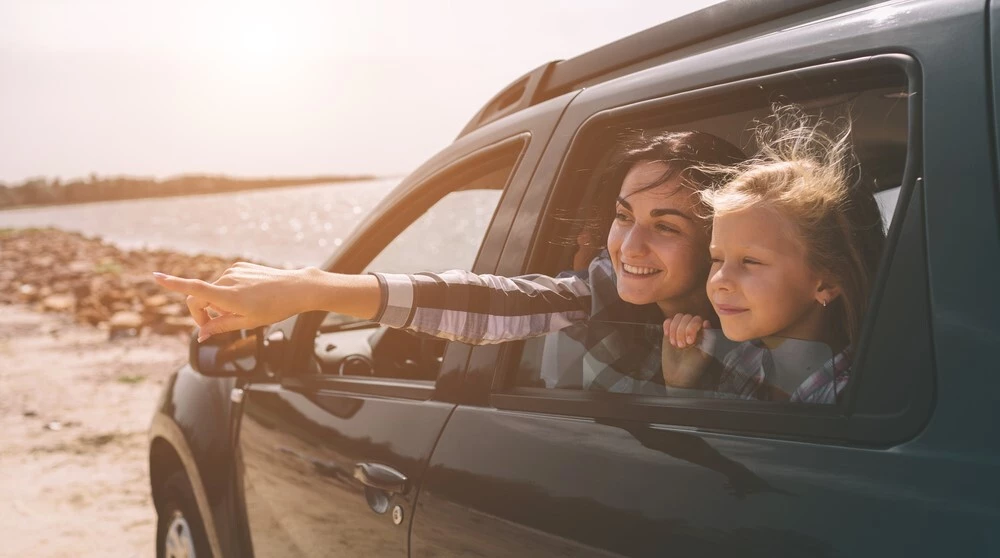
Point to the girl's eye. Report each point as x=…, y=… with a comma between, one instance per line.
x=619, y=216
x=666, y=228
x=750, y=261
x=716, y=260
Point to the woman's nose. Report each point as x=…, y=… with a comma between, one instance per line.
x=635, y=242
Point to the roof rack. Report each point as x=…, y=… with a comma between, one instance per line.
x=555, y=78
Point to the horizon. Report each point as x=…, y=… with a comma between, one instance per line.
x=266, y=88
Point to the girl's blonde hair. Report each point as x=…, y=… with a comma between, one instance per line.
x=805, y=170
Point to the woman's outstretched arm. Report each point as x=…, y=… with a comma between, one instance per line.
x=250, y=295
x=457, y=305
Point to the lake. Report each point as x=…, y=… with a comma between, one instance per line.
x=292, y=226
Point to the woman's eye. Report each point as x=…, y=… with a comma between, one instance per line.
x=619, y=216
x=666, y=228
x=750, y=261
x=716, y=260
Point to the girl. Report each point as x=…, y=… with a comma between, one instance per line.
x=794, y=249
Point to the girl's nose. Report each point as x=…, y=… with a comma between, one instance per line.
x=720, y=278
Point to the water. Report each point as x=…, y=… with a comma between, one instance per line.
x=293, y=226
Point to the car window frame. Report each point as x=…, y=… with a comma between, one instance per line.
x=832, y=423
x=415, y=203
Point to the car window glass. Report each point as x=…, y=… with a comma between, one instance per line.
x=627, y=354
x=447, y=235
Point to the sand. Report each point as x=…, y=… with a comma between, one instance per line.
x=74, y=411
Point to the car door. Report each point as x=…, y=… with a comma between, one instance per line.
x=537, y=471
x=332, y=446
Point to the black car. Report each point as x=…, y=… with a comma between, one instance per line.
x=328, y=436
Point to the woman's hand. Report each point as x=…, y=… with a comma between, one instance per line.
x=245, y=296
x=687, y=350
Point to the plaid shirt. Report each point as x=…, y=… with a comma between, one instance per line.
x=748, y=372
x=603, y=343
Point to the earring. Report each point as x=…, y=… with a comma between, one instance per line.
x=823, y=302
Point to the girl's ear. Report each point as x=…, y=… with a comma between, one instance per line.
x=827, y=292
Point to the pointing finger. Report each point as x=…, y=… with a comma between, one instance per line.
x=222, y=324
x=190, y=287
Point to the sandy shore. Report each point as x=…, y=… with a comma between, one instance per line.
x=86, y=343
x=74, y=414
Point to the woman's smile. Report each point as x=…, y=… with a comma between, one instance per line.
x=639, y=271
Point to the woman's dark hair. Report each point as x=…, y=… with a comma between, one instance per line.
x=682, y=152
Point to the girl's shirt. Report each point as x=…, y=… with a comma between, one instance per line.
x=749, y=372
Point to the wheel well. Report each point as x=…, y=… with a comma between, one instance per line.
x=163, y=461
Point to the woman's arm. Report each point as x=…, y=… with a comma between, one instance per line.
x=250, y=295
x=482, y=309
x=457, y=305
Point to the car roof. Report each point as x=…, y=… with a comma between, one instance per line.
x=639, y=51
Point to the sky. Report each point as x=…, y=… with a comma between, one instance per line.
x=271, y=88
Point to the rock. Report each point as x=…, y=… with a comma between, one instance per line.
x=176, y=324
x=172, y=310
x=81, y=290
x=29, y=293
x=155, y=301
x=125, y=320
x=120, y=306
x=124, y=324
x=59, y=303
x=80, y=267
x=92, y=316
x=43, y=262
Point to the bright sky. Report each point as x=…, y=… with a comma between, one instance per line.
x=271, y=87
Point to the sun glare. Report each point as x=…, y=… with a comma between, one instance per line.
x=254, y=42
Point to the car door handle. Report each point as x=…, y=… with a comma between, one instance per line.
x=381, y=477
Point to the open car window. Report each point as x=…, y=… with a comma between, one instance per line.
x=628, y=357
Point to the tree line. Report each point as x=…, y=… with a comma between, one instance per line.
x=44, y=191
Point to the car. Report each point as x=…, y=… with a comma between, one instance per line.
x=325, y=435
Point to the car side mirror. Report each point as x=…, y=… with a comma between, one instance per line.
x=230, y=354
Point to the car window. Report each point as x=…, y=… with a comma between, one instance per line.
x=623, y=351
x=446, y=235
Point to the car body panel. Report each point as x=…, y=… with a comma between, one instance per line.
x=298, y=452
x=194, y=417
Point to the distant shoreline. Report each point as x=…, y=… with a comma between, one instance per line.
x=42, y=193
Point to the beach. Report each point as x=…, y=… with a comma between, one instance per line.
x=86, y=343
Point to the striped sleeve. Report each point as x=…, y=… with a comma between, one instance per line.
x=482, y=309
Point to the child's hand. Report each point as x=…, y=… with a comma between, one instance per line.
x=682, y=330
x=687, y=350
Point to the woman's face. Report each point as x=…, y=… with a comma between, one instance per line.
x=658, y=243
x=761, y=283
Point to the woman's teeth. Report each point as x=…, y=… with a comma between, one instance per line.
x=639, y=270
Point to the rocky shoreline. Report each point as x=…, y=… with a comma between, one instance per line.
x=97, y=283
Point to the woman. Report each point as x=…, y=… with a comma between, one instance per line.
x=654, y=267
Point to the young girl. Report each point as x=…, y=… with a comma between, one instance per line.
x=794, y=249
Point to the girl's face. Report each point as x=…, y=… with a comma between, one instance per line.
x=760, y=283
x=658, y=244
